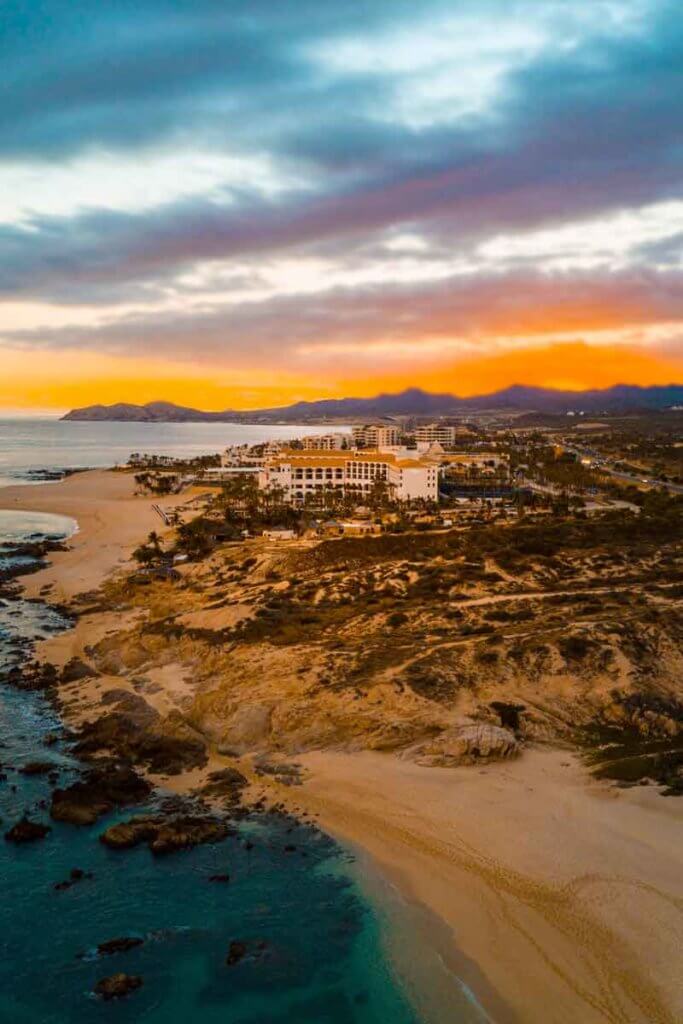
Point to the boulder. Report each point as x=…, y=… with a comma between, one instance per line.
x=165, y=835
x=236, y=952
x=167, y=746
x=227, y=783
x=468, y=744
x=121, y=945
x=239, y=949
x=187, y=832
x=26, y=831
x=100, y=791
x=75, y=670
x=128, y=834
x=38, y=768
x=117, y=985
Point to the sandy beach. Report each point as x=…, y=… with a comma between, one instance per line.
x=112, y=521
x=564, y=897
x=561, y=898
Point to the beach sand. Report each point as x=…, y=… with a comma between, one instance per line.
x=112, y=521
x=564, y=896
x=557, y=899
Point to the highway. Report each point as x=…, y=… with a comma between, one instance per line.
x=627, y=478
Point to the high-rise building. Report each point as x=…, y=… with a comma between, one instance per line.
x=375, y=435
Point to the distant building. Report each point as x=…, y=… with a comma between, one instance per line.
x=249, y=455
x=444, y=433
x=279, y=533
x=375, y=435
x=301, y=474
x=325, y=442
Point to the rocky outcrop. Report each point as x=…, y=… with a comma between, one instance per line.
x=100, y=791
x=117, y=985
x=227, y=783
x=26, y=831
x=468, y=744
x=165, y=835
x=165, y=746
x=644, y=715
x=33, y=676
x=75, y=670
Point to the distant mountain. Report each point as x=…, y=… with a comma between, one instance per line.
x=413, y=402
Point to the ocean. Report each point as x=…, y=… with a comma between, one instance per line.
x=31, y=447
x=328, y=935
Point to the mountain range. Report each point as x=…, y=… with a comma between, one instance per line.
x=412, y=402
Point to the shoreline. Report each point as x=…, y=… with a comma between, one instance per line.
x=579, y=922
x=111, y=520
x=546, y=888
x=382, y=898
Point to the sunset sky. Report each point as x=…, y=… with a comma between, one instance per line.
x=243, y=203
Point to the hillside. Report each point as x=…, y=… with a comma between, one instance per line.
x=412, y=402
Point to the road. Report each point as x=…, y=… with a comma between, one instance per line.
x=626, y=478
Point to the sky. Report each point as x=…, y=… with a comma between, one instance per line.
x=244, y=203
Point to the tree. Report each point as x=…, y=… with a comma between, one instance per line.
x=154, y=540
x=144, y=555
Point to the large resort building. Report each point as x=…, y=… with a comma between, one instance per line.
x=302, y=474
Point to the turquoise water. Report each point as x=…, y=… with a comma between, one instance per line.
x=28, y=446
x=324, y=960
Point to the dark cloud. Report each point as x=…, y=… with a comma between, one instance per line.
x=577, y=132
x=523, y=303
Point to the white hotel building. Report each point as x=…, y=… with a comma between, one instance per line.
x=302, y=473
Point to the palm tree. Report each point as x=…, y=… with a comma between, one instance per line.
x=155, y=541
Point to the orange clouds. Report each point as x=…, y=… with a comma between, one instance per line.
x=571, y=366
x=62, y=381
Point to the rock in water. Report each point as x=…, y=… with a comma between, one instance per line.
x=128, y=834
x=26, y=831
x=117, y=985
x=121, y=945
x=236, y=952
x=468, y=744
x=100, y=791
x=183, y=833
x=38, y=768
x=165, y=835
